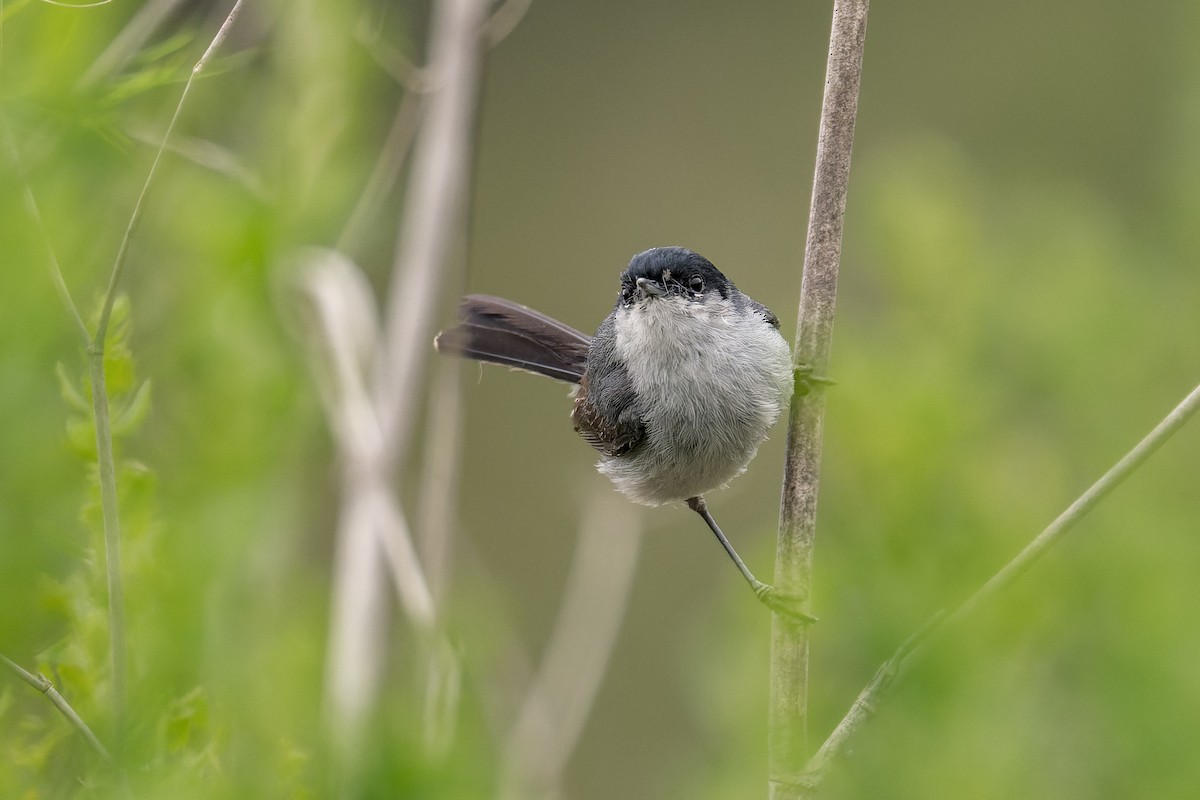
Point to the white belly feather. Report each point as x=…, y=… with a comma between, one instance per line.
x=709, y=391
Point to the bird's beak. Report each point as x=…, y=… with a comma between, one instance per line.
x=650, y=288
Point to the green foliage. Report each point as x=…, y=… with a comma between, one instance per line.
x=129, y=399
x=179, y=732
x=159, y=65
x=1017, y=308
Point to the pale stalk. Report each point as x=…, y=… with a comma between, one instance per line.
x=434, y=205
x=788, y=711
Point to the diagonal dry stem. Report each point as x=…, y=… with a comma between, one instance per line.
x=873, y=693
x=43, y=685
x=561, y=695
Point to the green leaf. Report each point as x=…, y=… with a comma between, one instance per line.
x=185, y=723
x=81, y=436
x=69, y=392
x=133, y=412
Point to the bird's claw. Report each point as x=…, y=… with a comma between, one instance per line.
x=805, y=381
x=783, y=603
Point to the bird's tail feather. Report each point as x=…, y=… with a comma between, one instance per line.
x=503, y=332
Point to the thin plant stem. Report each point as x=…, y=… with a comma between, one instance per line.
x=439, y=484
x=433, y=215
x=788, y=711
x=129, y=41
x=43, y=685
x=106, y=464
x=386, y=170
x=561, y=695
x=880, y=686
x=105, y=459
x=134, y=218
x=504, y=20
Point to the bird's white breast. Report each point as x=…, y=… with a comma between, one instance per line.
x=710, y=381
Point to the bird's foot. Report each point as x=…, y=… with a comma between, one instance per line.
x=805, y=381
x=783, y=603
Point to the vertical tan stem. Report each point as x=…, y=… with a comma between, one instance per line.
x=788, y=746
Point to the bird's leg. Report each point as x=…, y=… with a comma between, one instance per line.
x=771, y=597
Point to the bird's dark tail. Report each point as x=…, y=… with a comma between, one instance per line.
x=503, y=332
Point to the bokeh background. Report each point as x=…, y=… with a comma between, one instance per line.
x=1019, y=304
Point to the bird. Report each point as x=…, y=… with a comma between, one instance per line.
x=677, y=389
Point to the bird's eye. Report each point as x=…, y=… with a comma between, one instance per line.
x=626, y=295
x=696, y=284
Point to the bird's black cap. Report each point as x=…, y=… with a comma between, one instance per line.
x=679, y=263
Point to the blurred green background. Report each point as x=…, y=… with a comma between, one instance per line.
x=1018, y=306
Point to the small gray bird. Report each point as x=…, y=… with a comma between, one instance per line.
x=677, y=389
